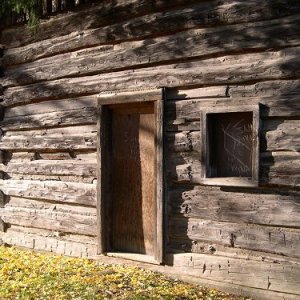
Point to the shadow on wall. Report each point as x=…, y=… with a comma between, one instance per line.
x=199, y=213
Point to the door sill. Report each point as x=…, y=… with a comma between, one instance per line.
x=135, y=257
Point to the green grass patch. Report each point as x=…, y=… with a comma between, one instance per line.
x=31, y=275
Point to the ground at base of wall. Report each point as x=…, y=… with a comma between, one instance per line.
x=30, y=275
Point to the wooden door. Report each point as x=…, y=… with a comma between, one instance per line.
x=133, y=219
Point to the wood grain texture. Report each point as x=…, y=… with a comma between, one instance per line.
x=240, y=205
x=65, y=192
x=66, y=113
x=246, y=236
x=68, y=138
x=197, y=43
x=50, y=219
x=133, y=152
x=222, y=70
x=275, y=135
x=271, y=276
x=203, y=14
x=52, y=167
x=97, y=15
x=276, y=168
x=52, y=241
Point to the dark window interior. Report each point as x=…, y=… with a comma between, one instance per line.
x=230, y=144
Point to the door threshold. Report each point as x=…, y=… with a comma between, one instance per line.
x=135, y=257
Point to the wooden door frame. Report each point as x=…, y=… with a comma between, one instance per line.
x=105, y=102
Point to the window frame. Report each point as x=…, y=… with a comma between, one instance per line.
x=229, y=181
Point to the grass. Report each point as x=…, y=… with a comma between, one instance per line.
x=30, y=275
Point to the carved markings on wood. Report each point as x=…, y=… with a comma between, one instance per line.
x=239, y=235
x=49, y=240
x=272, y=276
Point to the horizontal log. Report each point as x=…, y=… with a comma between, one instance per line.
x=61, y=118
x=68, y=138
x=99, y=15
x=277, y=98
x=282, y=135
x=18, y=202
x=54, y=156
x=212, y=13
x=51, y=106
x=41, y=177
x=51, y=220
x=17, y=157
x=52, y=167
x=265, y=89
x=65, y=192
x=197, y=43
x=270, y=276
x=49, y=240
x=275, y=135
x=245, y=236
x=280, y=168
x=258, y=206
x=222, y=70
x=206, y=13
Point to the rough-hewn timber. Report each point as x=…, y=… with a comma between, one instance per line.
x=208, y=54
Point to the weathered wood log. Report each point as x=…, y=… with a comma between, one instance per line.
x=50, y=219
x=55, y=156
x=223, y=70
x=185, y=167
x=65, y=192
x=208, y=13
x=197, y=43
x=265, y=89
x=22, y=156
x=41, y=177
x=83, y=138
x=271, y=276
x=62, y=118
x=49, y=240
x=52, y=167
x=18, y=202
x=96, y=16
x=282, y=135
x=277, y=98
x=51, y=106
x=259, y=206
x=247, y=236
x=275, y=135
x=17, y=157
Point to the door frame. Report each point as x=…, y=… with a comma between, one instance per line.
x=104, y=104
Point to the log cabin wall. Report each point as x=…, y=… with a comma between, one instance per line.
x=207, y=54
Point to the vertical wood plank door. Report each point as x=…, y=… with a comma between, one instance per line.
x=133, y=218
